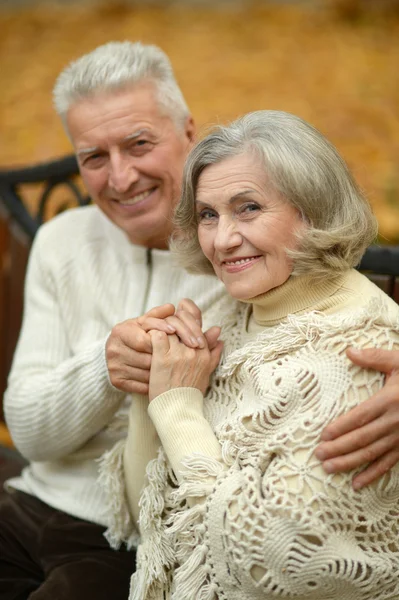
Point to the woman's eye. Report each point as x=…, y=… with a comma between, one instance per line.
x=249, y=208
x=206, y=215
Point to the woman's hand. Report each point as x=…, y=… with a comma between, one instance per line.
x=175, y=365
x=129, y=349
x=368, y=433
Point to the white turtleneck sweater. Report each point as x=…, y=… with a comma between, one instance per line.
x=236, y=505
x=84, y=277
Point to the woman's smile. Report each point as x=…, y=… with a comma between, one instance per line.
x=245, y=226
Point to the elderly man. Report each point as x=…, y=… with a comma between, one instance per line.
x=84, y=347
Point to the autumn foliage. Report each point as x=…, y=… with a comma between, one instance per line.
x=336, y=65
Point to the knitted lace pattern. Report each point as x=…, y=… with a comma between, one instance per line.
x=267, y=522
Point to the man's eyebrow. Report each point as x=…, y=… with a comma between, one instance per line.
x=85, y=151
x=137, y=134
x=131, y=136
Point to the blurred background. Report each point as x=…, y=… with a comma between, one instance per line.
x=333, y=62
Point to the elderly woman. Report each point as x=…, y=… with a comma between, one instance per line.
x=236, y=504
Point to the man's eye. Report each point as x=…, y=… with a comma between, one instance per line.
x=141, y=145
x=93, y=160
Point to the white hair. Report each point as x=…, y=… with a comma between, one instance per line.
x=118, y=65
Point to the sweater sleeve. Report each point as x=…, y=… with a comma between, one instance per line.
x=55, y=401
x=183, y=430
x=141, y=446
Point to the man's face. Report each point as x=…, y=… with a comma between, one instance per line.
x=131, y=157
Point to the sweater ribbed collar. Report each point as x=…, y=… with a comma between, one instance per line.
x=297, y=295
x=121, y=244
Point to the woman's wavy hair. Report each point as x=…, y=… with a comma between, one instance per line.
x=302, y=166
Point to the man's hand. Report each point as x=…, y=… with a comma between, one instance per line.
x=129, y=347
x=368, y=433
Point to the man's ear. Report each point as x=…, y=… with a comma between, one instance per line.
x=190, y=130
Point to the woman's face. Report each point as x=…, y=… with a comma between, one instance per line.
x=245, y=226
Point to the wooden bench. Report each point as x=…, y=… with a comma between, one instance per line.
x=31, y=195
x=28, y=197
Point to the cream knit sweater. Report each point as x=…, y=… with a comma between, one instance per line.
x=84, y=277
x=236, y=505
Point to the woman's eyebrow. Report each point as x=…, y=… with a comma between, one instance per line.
x=242, y=194
x=238, y=196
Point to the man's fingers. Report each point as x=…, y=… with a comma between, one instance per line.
x=375, y=358
x=376, y=469
x=362, y=414
x=354, y=440
x=159, y=312
x=131, y=336
x=212, y=336
x=135, y=387
x=360, y=457
x=150, y=323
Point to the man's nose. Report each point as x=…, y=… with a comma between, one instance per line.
x=122, y=174
x=228, y=235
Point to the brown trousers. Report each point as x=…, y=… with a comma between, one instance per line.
x=46, y=554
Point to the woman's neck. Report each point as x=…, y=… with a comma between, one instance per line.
x=297, y=295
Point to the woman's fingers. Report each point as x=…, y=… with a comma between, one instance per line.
x=212, y=336
x=187, y=329
x=216, y=353
x=189, y=306
x=183, y=325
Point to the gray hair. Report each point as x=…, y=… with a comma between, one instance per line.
x=117, y=65
x=302, y=166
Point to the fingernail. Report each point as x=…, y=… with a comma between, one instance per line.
x=171, y=328
x=356, y=485
x=320, y=454
x=328, y=467
x=326, y=436
x=194, y=341
x=201, y=342
x=355, y=351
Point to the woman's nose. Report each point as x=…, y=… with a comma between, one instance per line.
x=227, y=235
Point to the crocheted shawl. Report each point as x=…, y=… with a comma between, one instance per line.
x=267, y=522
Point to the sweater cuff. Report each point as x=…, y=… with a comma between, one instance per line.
x=178, y=417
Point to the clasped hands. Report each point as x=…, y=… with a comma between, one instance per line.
x=163, y=349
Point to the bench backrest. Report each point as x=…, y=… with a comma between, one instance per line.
x=22, y=211
x=28, y=197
